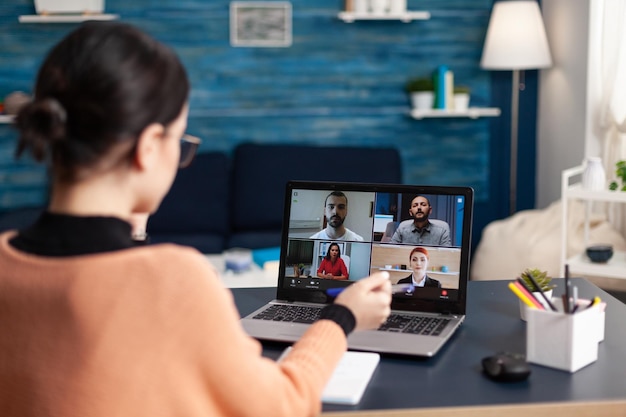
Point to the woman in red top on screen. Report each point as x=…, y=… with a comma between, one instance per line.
x=332, y=266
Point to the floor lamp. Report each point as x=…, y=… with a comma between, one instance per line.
x=516, y=40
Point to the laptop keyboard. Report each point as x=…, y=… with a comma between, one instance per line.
x=399, y=323
x=402, y=323
x=294, y=314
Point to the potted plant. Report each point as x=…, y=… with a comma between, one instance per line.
x=620, y=171
x=461, y=97
x=421, y=91
x=542, y=279
x=69, y=6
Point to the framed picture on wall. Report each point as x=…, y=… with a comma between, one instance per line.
x=260, y=24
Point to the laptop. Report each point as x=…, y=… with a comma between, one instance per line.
x=423, y=317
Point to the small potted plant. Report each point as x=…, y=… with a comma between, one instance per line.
x=421, y=91
x=69, y=6
x=461, y=97
x=542, y=279
x=620, y=172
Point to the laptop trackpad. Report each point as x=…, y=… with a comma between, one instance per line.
x=277, y=331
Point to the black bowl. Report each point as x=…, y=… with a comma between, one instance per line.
x=600, y=253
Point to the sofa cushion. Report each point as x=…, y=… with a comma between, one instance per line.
x=261, y=171
x=195, y=212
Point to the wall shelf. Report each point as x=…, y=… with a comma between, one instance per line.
x=6, y=118
x=405, y=17
x=65, y=18
x=472, y=113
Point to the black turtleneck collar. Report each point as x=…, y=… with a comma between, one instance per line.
x=65, y=235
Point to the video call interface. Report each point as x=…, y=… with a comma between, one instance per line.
x=415, y=238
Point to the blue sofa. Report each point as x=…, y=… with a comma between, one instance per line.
x=224, y=201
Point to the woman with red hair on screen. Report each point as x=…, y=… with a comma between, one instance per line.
x=418, y=261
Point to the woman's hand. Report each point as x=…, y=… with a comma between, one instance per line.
x=369, y=300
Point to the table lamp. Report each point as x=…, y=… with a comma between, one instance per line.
x=516, y=40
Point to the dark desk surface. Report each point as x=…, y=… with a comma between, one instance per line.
x=453, y=378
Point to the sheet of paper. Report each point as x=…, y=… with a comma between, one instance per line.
x=351, y=377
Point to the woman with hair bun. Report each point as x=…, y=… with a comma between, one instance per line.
x=95, y=324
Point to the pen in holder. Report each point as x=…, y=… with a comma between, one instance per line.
x=565, y=341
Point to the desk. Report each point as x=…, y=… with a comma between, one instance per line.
x=452, y=384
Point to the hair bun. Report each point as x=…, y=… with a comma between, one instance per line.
x=41, y=123
x=46, y=116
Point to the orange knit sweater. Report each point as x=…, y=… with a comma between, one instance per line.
x=148, y=331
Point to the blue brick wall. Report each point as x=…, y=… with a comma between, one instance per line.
x=338, y=84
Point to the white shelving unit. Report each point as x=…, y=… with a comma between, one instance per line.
x=580, y=263
x=6, y=118
x=405, y=17
x=471, y=112
x=65, y=18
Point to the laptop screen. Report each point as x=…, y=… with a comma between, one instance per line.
x=338, y=233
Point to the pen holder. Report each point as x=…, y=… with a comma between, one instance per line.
x=523, y=307
x=564, y=341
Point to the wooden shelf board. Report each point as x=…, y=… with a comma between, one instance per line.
x=577, y=191
x=472, y=113
x=65, y=18
x=614, y=268
x=406, y=17
x=6, y=118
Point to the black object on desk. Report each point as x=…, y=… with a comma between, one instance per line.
x=506, y=367
x=454, y=377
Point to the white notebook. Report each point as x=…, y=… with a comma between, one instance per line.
x=351, y=377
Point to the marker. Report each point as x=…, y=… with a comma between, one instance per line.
x=538, y=289
x=395, y=289
x=525, y=296
x=528, y=292
x=521, y=295
x=567, y=307
x=596, y=300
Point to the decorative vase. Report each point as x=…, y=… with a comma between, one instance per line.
x=461, y=101
x=594, y=177
x=379, y=7
x=361, y=6
x=523, y=307
x=397, y=7
x=422, y=100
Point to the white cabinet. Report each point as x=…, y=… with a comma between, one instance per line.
x=580, y=263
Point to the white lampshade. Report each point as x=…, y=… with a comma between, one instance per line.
x=516, y=37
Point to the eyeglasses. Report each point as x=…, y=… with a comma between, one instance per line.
x=188, y=147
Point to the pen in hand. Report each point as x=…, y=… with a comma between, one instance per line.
x=395, y=289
